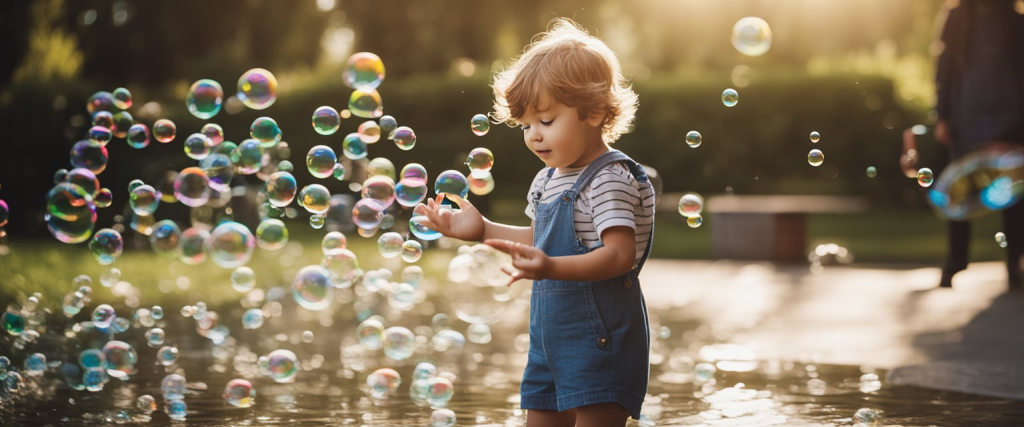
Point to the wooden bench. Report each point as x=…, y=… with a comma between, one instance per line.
x=769, y=227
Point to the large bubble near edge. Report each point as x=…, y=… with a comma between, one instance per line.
x=985, y=180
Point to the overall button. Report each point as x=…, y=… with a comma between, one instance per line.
x=629, y=283
x=565, y=198
x=602, y=342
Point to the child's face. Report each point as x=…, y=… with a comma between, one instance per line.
x=559, y=138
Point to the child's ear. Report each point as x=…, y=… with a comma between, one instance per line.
x=596, y=117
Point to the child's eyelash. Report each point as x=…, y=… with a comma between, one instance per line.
x=547, y=123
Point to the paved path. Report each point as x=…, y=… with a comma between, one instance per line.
x=970, y=338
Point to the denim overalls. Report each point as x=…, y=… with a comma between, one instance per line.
x=589, y=341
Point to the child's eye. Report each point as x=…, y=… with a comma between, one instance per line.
x=547, y=123
x=525, y=128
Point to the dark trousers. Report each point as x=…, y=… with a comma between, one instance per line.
x=1013, y=228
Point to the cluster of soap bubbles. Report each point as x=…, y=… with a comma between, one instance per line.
x=827, y=254
x=478, y=289
x=691, y=205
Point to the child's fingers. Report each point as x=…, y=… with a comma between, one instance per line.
x=460, y=201
x=501, y=245
x=513, y=273
x=419, y=209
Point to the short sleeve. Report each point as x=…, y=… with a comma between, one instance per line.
x=534, y=187
x=613, y=198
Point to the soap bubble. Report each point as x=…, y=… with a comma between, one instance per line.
x=815, y=157
x=106, y=245
x=146, y=403
x=383, y=382
x=704, y=371
x=283, y=365
x=326, y=120
x=243, y=279
x=204, y=98
x=315, y=198
x=412, y=251
x=367, y=214
x=333, y=242
x=122, y=122
x=866, y=416
x=420, y=230
x=280, y=189
x=480, y=124
x=166, y=238
x=312, y=288
x=414, y=174
x=442, y=418
x=176, y=409
x=252, y=318
x=13, y=322
x=100, y=101
x=230, y=245
x=815, y=136
x=447, y=339
x=404, y=138
x=84, y=178
x=691, y=205
x=985, y=180
x=120, y=359
x=402, y=296
x=693, y=139
x=122, y=98
x=399, y=343
x=103, y=118
x=70, y=214
x=248, y=157
x=343, y=267
x=271, y=234
x=191, y=187
x=173, y=386
x=218, y=170
x=214, y=132
x=155, y=337
x=451, y=182
x=317, y=221
x=481, y=186
x=266, y=131
x=164, y=130
x=380, y=166
x=730, y=97
x=156, y=312
x=86, y=154
x=198, y=146
x=751, y=36
x=925, y=177
x=390, y=244
x=479, y=333
x=320, y=161
x=871, y=171
x=100, y=135
x=239, y=393
x=339, y=172
x=103, y=315
x=144, y=200
x=440, y=391
x=371, y=334
x=1001, y=239
x=110, y=277
x=353, y=147
x=138, y=136
x=480, y=161
x=410, y=195
x=388, y=125
x=257, y=89
x=694, y=221
x=366, y=104
x=381, y=189
x=93, y=379
x=91, y=358
x=103, y=198
x=369, y=132
x=193, y=246
x=364, y=71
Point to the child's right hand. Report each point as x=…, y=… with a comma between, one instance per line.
x=464, y=224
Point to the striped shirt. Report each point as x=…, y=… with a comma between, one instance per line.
x=613, y=198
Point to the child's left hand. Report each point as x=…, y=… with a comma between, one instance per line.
x=528, y=262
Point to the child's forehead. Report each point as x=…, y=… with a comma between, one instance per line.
x=543, y=103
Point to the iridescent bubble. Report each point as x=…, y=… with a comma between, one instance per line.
x=252, y=318
x=13, y=322
x=315, y=198
x=166, y=238
x=371, y=334
x=412, y=274
x=751, y=36
x=103, y=118
x=381, y=166
x=218, y=170
x=226, y=148
x=93, y=379
x=320, y=161
x=100, y=135
x=197, y=146
x=1001, y=239
x=380, y=188
x=383, y=382
x=100, y=101
x=144, y=199
x=164, y=130
x=84, y=178
x=404, y=138
x=146, y=403
x=730, y=97
x=871, y=172
x=866, y=417
x=70, y=213
x=388, y=125
x=479, y=333
x=283, y=365
x=176, y=409
x=691, y=205
x=191, y=187
x=414, y=174
x=155, y=337
x=167, y=355
x=143, y=224
x=214, y=132
x=369, y=132
x=248, y=157
x=91, y=358
x=272, y=234
x=480, y=124
x=409, y=194
x=364, y=71
x=266, y=131
x=448, y=339
x=257, y=89
x=925, y=177
x=110, y=277
x=815, y=157
x=230, y=245
x=156, y=312
x=353, y=147
x=420, y=230
x=366, y=104
x=106, y=245
x=704, y=372
x=694, y=221
x=281, y=188
x=173, y=386
x=815, y=136
x=411, y=251
x=693, y=139
x=204, y=98
x=343, y=267
x=312, y=288
x=85, y=154
x=103, y=315
x=326, y=120
x=285, y=166
x=480, y=161
x=333, y=242
x=440, y=391
x=138, y=136
x=243, y=279
x=120, y=359
x=442, y=418
x=193, y=246
x=122, y=122
x=481, y=186
x=317, y=221
x=367, y=214
x=122, y=98
x=399, y=343
x=451, y=182
x=339, y=172
x=390, y=244
x=239, y=393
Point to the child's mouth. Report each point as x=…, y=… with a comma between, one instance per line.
x=543, y=153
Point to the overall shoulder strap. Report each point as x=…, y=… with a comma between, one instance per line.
x=608, y=157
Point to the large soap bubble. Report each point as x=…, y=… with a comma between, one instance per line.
x=312, y=288
x=364, y=71
x=986, y=180
x=204, y=98
x=257, y=89
x=751, y=36
x=70, y=213
x=230, y=245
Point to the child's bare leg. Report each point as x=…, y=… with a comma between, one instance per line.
x=601, y=415
x=539, y=418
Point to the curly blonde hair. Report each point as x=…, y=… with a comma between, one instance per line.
x=576, y=69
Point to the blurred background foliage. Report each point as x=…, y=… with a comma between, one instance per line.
x=858, y=72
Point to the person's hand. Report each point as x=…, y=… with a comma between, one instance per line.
x=464, y=224
x=528, y=262
x=909, y=156
x=942, y=133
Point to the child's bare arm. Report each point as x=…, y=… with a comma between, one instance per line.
x=615, y=258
